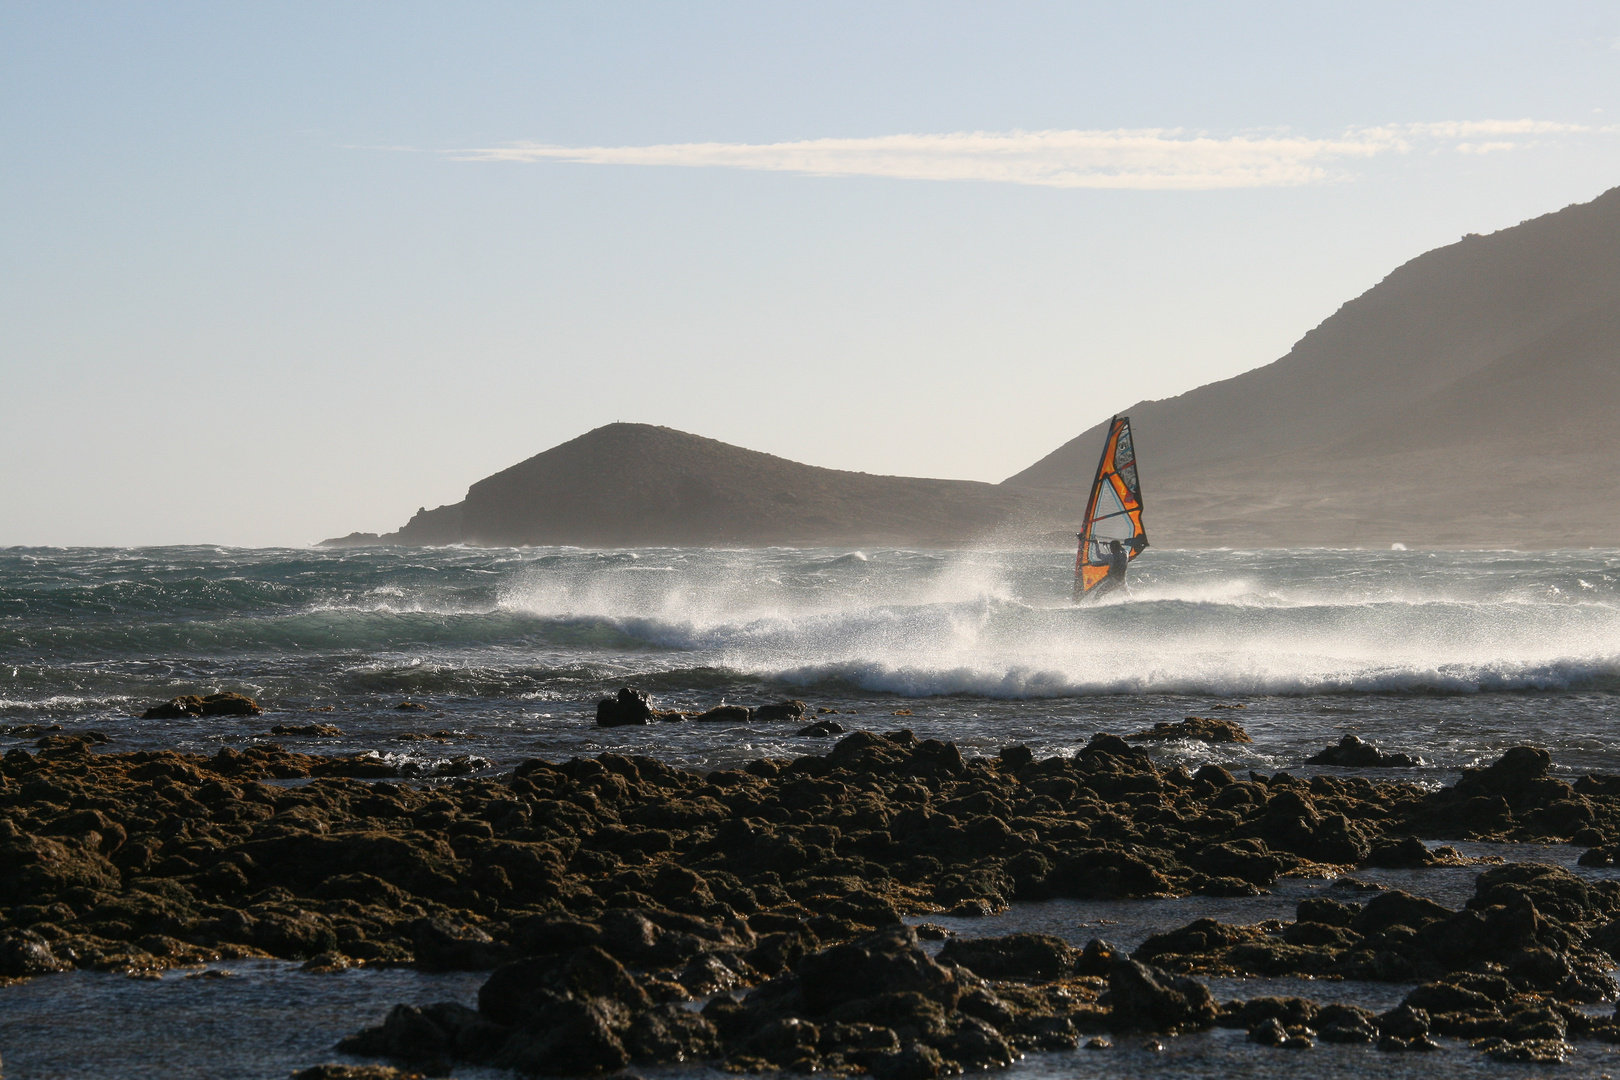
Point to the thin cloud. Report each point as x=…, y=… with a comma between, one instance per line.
x=1143, y=158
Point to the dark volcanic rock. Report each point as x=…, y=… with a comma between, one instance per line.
x=445, y=945
x=609, y=889
x=1016, y=956
x=327, y=730
x=1143, y=998
x=1354, y=754
x=24, y=953
x=1194, y=727
x=782, y=710
x=726, y=714
x=627, y=707
x=889, y=962
x=210, y=705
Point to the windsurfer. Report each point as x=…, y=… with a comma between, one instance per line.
x=1118, y=563
x=1119, y=560
x=1113, y=533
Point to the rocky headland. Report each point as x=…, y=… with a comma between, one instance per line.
x=608, y=897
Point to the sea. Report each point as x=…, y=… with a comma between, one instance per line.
x=500, y=655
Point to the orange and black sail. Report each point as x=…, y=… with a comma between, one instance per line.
x=1113, y=512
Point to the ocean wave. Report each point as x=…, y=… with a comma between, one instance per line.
x=997, y=625
x=1220, y=679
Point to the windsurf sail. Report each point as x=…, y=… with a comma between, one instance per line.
x=1113, y=512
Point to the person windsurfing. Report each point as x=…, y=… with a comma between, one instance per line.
x=1119, y=560
x=1112, y=533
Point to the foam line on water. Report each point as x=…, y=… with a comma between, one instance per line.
x=986, y=623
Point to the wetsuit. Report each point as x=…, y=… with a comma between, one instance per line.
x=1118, y=561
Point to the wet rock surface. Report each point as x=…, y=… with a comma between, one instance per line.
x=1193, y=727
x=606, y=895
x=207, y=705
x=631, y=706
x=1351, y=752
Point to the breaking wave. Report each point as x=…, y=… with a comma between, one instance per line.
x=93, y=626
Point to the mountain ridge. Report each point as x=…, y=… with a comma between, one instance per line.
x=645, y=485
x=1466, y=400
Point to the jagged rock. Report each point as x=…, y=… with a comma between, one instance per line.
x=915, y=1062
x=1143, y=998
x=1352, y=753
x=1196, y=728
x=1404, y=1022
x=1397, y=907
x=210, y=705
x=782, y=710
x=888, y=962
x=30, y=730
x=570, y=1038
x=1016, y=956
x=445, y=945
x=1512, y=776
x=628, y=706
x=37, y=867
x=328, y=730
x=1527, y=1052
x=694, y=881
x=523, y=988
x=670, y=1033
x=24, y=953
x=1198, y=936
x=1406, y=852
x=1445, y=997
x=1246, y=860
x=726, y=714
x=429, y=1035
x=1339, y=1023
x=1271, y=1032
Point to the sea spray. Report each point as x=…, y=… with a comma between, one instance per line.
x=1448, y=654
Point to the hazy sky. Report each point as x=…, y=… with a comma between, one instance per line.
x=275, y=272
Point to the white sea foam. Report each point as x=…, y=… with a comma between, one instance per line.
x=997, y=624
x=62, y=702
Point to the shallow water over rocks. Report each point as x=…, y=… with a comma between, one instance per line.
x=268, y=1018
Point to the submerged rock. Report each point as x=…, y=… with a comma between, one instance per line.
x=327, y=730
x=726, y=714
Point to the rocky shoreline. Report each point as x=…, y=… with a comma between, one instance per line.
x=608, y=897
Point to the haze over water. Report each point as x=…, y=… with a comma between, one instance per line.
x=1450, y=655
